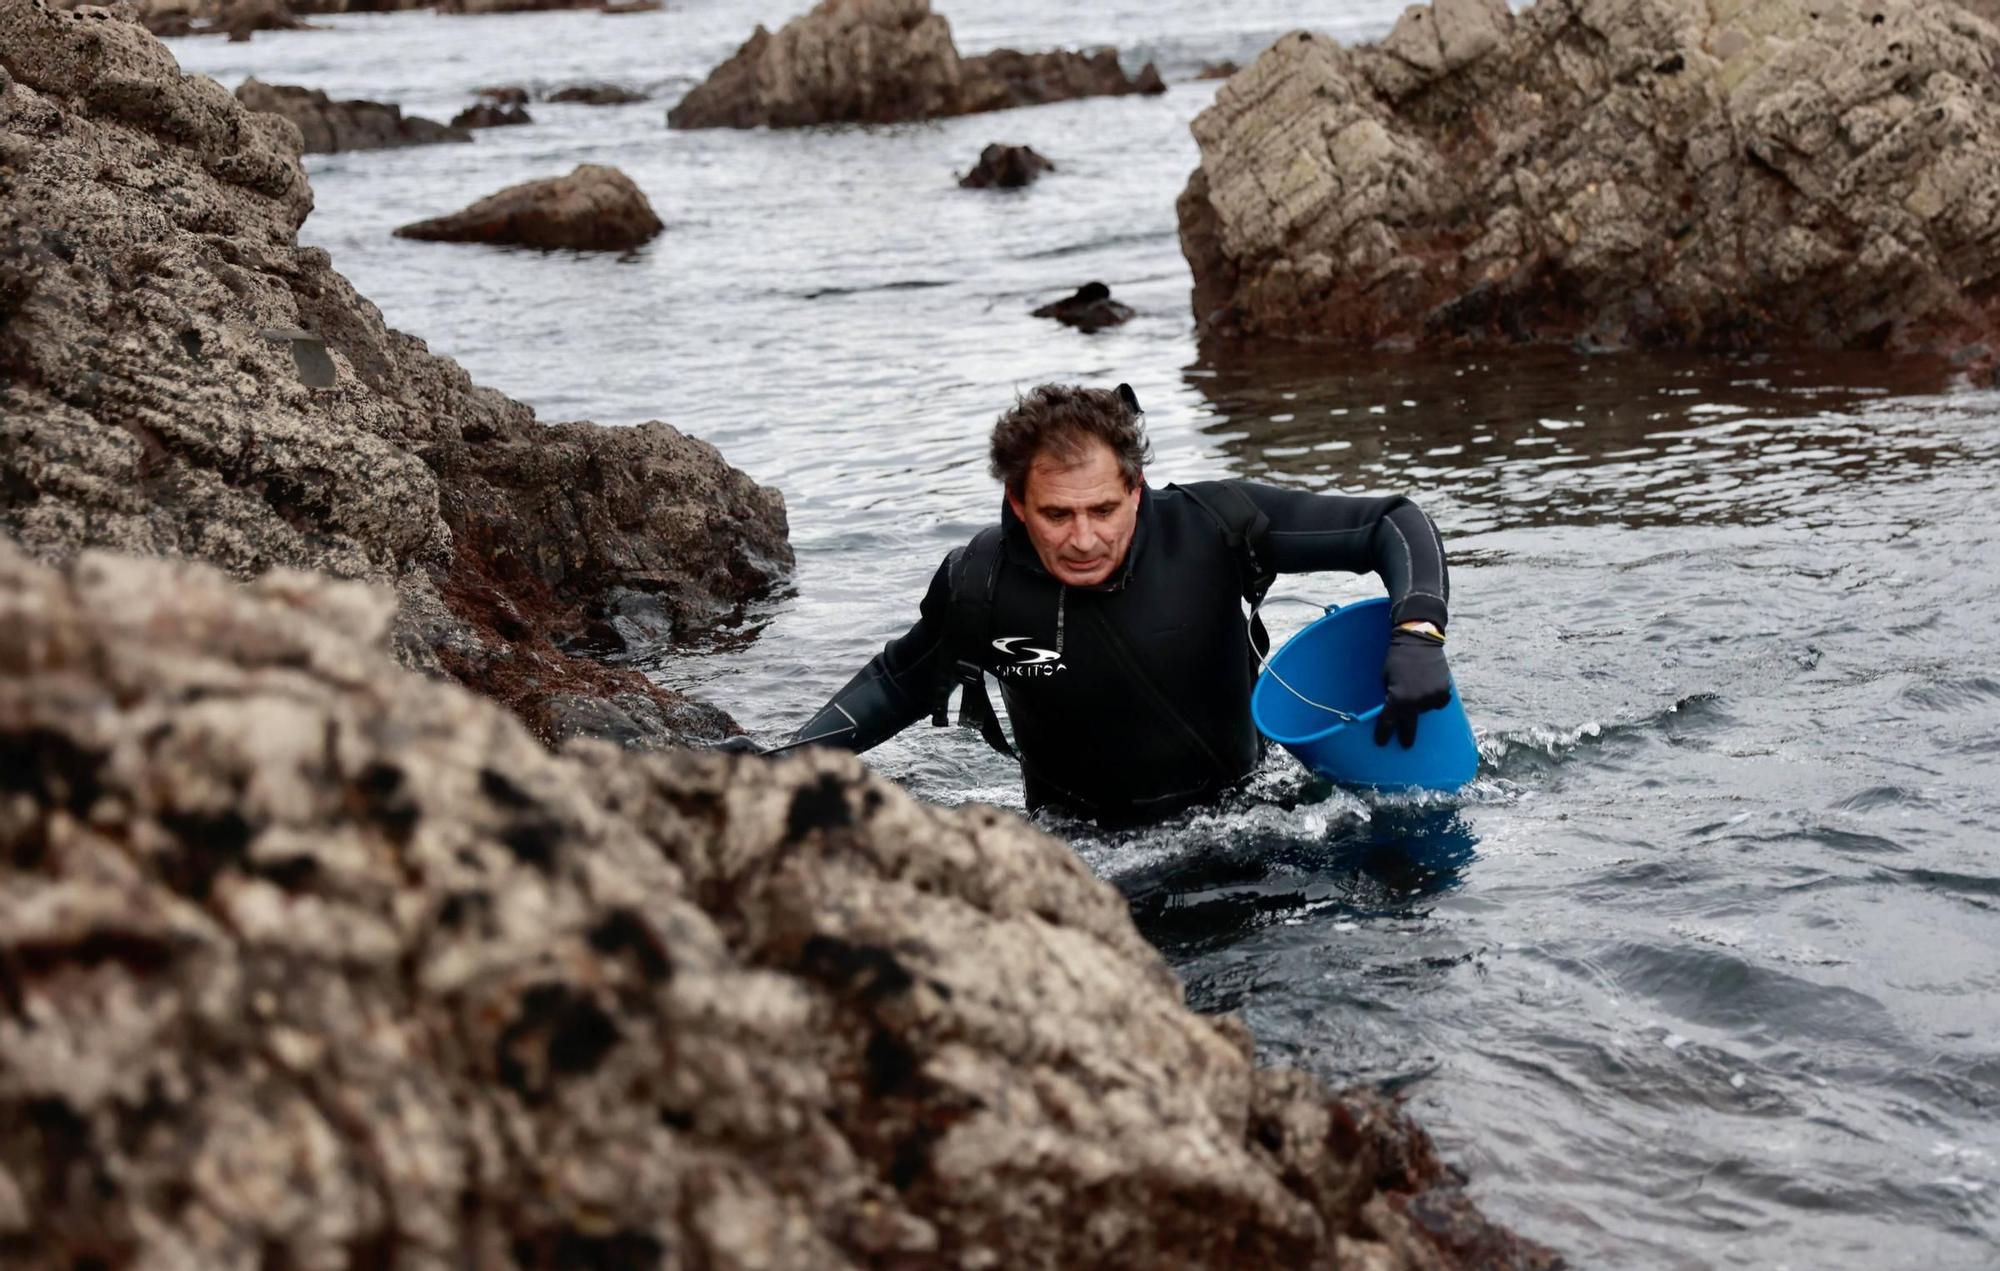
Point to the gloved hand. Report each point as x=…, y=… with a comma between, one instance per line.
x=1416, y=680
x=740, y=744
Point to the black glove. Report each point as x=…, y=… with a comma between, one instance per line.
x=740, y=744
x=1416, y=680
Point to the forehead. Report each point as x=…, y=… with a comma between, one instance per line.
x=1076, y=480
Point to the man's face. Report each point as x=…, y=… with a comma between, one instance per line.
x=1080, y=515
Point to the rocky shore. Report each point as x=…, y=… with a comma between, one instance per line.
x=887, y=61
x=154, y=401
x=1659, y=173
x=309, y=956
x=312, y=961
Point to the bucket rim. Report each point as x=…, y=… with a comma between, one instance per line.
x=1306, y=739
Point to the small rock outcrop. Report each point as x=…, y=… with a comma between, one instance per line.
x=1005, y=167
x=312, y=962
x=486, y=114
x=1622, y=172
x=178, y=377
x=883, y=61
x=1218, y=70
x=1090, y=309
x=594, y=208
x=504, y=95
x=597, y=95
x=331, y=126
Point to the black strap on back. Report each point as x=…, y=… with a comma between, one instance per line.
x=1244, y=527
x=975, y=576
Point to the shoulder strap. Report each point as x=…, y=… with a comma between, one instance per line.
x=1244, y=530
x=975, y=576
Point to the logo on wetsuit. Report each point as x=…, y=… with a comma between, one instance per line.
x=1033, y=661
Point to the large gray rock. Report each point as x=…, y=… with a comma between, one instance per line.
x=884, y=61
x=331, y=126
x=179, y=377
x=594, y=208
x=312, y=962
x=1670, y=172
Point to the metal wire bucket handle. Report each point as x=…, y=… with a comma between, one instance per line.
x=1264, y=663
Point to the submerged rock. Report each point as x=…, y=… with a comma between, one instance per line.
x=882, y=61
x=1005, y=167
x=1657, y=172
x=594, y=208
x=490, y=115
x=1090, y=309
x=314, y=962
x=597, y=95
x=331, y=126
x=179, y=377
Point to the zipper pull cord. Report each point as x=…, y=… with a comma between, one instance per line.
x=1062, y=596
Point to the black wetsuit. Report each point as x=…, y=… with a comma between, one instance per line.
x=1132, y=699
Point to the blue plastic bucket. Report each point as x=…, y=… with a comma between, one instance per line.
x=1337, y=662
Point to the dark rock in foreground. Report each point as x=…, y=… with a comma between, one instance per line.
x=157, y=397
x=331, y=126
x=1090, y=309
x=313, y=962
x=594, y=208
x=1005, y=167
x=1621, y=172
x=487, y=114
x=883, y=61
x=597, y=95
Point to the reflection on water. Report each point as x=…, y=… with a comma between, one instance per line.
x=1549, y=436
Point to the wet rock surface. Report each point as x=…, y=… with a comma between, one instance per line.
x=597, y=95
x=884, y=61
x=1090, y=309
x=1005, y=167
x=1665, y=172
x=178, y=377
x=331, y=126
x=311, y=961
x=594, y=208
x=486, y=114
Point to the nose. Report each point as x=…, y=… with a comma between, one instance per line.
x=1084, y=539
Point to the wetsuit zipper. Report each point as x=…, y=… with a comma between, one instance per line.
x=1130, y=665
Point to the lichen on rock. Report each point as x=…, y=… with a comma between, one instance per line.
x=1659, y=172
x=306, y=960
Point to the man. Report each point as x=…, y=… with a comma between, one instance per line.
x=1112, y=615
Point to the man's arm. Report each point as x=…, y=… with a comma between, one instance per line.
x=895, y=689
x=1392, y=537
x=1388, y=536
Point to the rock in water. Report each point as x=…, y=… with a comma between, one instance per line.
x=1005, y=167
x=1654, y=172
x=881, y=61
x=1090, y=309
x=594, y=208
x=332, y=126
x=488, y=114
x=1218, y=70
x=313, y=962
x=179, y=377
x=597, y=95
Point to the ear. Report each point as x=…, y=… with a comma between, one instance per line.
x=1014, y=501
x=1131, y=399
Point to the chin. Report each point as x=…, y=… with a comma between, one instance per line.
x=1085, y=578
